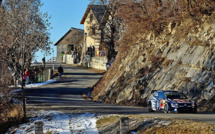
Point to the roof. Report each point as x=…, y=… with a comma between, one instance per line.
x=105, y=17
x=98, y=11
x=70, y=30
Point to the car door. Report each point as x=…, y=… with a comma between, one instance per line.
x=162, y=100
x=155, y=101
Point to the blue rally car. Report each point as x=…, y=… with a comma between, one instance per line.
x=170, y=101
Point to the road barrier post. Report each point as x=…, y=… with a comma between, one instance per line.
x=38, y=126
x=124, y=125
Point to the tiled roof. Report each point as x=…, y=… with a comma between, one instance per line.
x=98, y=11
x=70, y=30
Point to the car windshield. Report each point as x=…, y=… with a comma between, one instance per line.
x=175, y=95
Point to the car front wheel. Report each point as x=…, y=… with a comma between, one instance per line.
x=150, y=107
x=166, y=108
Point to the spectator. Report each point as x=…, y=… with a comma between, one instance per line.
x=27, y=76
x=60, y=71
x=93, y=48
x=44, y=62
x=24, y=76
x=62, y=53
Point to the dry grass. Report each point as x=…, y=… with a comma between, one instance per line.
x=85, y=96
x=105, y=121
x=96, y=70
x=175, y=127
x=181, y=127
x=10, y=115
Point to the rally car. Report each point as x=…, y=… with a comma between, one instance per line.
x=170, y=101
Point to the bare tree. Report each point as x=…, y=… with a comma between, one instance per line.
x=23, y=32
x=99, y=2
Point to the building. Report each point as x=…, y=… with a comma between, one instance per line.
x=71, y=42
x=92, y=32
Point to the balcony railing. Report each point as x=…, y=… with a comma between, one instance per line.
x=53, y=59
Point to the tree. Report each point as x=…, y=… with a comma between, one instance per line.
x=23, y=32
x=99, y=2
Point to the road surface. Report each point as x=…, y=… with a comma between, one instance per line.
x=66, y=94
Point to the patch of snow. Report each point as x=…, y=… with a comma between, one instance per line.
x=39, y=84
x=33, y=85
x=59, y=122
x=164, y=123
x=16, y=101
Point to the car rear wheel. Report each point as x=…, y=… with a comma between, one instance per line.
x=194, y=110
x=150, y=107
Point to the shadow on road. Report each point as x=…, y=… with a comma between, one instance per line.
x=84, y=74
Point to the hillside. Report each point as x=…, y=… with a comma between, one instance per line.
x=181, y=57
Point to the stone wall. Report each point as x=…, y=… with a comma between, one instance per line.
x=99, y=62
x=68, y=59
x=96, y=62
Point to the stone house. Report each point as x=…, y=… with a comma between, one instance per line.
x=92, y=24
x=70, y=42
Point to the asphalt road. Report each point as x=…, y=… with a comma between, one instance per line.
x=66, y=94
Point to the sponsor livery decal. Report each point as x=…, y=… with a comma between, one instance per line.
x=162, y=102
x=182, y=100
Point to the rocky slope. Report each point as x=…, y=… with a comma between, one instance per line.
x=181, y=58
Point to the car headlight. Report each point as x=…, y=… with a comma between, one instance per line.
x=174, y=104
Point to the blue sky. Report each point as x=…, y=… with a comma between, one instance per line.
x=64, y=15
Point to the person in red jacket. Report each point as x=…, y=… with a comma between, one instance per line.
x=27, y=73
x=24, y=77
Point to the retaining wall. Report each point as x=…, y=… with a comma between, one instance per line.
x=68, y=59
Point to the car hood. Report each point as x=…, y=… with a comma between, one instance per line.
x=181, y=100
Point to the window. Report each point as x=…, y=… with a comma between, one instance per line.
x=155, y=94
x=93, y=31
x=161, y=95
x=91, y=17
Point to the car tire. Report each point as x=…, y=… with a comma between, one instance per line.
x=194, y=110
x=166, y=108
x=150, y=107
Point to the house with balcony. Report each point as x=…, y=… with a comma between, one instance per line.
x=92, y=30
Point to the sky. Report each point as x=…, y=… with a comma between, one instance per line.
x=64, y=15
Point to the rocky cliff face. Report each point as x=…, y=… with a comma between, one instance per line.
x=181, y=58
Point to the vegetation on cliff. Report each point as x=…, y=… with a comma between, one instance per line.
x=166, y=45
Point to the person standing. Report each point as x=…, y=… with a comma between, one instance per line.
x=60, y=71
x=27, y=76
x=44, y=62
x=93, y=51
x=24, y=77
x=62, y=53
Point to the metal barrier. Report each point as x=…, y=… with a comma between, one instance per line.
x=53, y=59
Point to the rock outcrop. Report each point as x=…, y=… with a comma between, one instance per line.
x=181, y=58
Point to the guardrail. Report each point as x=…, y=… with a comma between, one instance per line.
x=53, y=59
